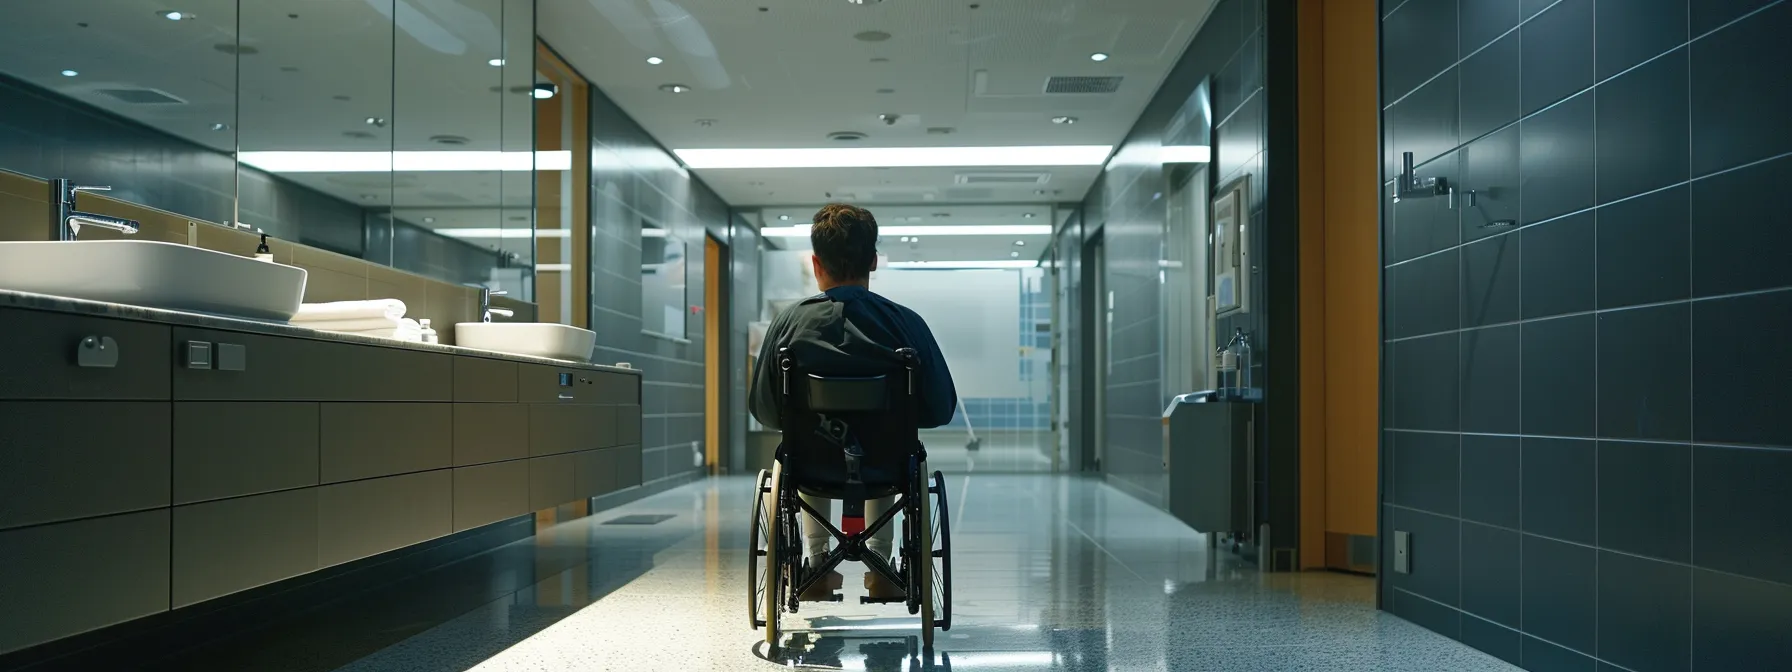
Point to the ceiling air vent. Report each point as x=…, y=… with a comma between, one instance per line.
x=1083, y=84
x=1002, y=178
x=142, y=96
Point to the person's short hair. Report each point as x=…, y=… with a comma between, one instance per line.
x=845, y=240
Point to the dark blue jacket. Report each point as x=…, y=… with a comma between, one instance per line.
x=848, y=330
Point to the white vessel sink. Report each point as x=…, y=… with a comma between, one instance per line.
x=536, y=339
x=154, y=274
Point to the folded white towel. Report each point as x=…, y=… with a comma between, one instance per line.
x=349, y=310
x=405, y=329
x=354, y=324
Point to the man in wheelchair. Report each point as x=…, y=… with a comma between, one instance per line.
x=849, y=333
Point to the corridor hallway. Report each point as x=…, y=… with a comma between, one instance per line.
x=1050, y=572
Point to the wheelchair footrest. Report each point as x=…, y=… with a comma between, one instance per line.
x=866, y=599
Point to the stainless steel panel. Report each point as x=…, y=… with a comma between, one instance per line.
x=383, y=439
x=229, y=449
x=68, y=578
x=484, y=380
x=490, y=433
x=363, y=518
x=231, y=545
x=489, y=493
x=40, y=351
x=552, y=481
x=62, y=460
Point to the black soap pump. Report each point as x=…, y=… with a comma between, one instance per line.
x=262, y=253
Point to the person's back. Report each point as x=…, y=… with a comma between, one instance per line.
x=848, y=330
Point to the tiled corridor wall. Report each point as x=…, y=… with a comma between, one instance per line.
x=1586, y=384
x=634, y=180
x=1234, y=47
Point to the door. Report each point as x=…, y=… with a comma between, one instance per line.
x=715, y=379
x=1187, y=326
x=1102, y=328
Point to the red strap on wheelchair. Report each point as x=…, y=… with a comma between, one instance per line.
x=852, y=524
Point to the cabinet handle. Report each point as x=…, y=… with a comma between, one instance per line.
x=97, y=352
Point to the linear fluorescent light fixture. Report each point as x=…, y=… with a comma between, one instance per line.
x=517, y=232
x=563, y=268
x=896, y=157
x=802, y=230
x=963, y=265
x=1184, y=154
x=406, y=162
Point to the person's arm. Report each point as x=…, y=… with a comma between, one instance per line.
x=762, y=397
x=939, y=397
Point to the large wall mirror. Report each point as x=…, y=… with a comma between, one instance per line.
x=395, y=133
x=663, y=302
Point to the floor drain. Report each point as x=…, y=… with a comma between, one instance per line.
x=640, y=519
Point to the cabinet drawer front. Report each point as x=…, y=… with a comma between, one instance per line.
x=69, y=578
x=616, y=388
x=62, y=460
x=596, y=473
x=368, y=440
x=489, y=493
x=553, y=481
x=487, y=380
x=628, y=425
x=234, y=448
x=232, y=545
x=628, y=466
x=41, y=357
x=363, y=518
x=279, y=368
x=555, y=429
x=490, y=433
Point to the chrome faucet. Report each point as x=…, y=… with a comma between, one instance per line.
x=486, y=311
x=68, y=221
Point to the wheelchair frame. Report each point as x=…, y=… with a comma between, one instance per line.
x=779, y=574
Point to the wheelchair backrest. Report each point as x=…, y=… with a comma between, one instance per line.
x=822, y=412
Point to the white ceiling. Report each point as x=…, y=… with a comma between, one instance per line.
x=935, y=247
x=785, y=73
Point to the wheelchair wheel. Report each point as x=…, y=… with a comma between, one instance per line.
x=940, y=554
x=759, y=556
x=921, y=555
x=773, y=575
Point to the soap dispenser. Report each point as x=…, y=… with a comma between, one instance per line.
x=262, y=253
x=429, y=334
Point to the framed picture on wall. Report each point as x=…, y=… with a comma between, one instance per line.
x=1231, y=248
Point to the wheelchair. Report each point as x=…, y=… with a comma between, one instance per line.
x=851, y=438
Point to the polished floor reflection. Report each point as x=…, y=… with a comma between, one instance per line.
x=1051, y=573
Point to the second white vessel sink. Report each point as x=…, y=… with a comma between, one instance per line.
x=154, y=274
x=536, y=339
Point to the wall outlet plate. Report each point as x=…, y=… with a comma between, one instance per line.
x=1402, y=552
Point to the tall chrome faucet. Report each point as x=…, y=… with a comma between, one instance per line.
x=67, y=221
x=486, y=311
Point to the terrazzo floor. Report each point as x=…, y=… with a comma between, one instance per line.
x=1050, y=572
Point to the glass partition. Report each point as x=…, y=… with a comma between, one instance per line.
x=663, y=302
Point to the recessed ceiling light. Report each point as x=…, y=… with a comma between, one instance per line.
x=429, y=220
x=544, y=91
x=863, y=2
x=379, y=122
x=1020, y=243
x=1013, y=255
x=655, y=60
x=905, y=239
x=784, y=217
x=496, y=62
x=1098, y=57
x=1064, y=120
x=175, y=15
x=896, y=157
x=1028, y=215
x=220, y=126
x=674, y=88
x=69, y=73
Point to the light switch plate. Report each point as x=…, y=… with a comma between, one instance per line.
x=199, y=355
x=233, y=357
x=1402, y=552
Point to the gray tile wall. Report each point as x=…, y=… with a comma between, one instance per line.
x=633, y=180
x=1585, y=408
x=1234, y=48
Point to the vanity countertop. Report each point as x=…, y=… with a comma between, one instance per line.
x=60, y=304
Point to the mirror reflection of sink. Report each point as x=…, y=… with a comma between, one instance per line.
x=154, y=274
x=536, y=339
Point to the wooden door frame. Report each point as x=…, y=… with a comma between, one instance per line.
x=715, y=354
